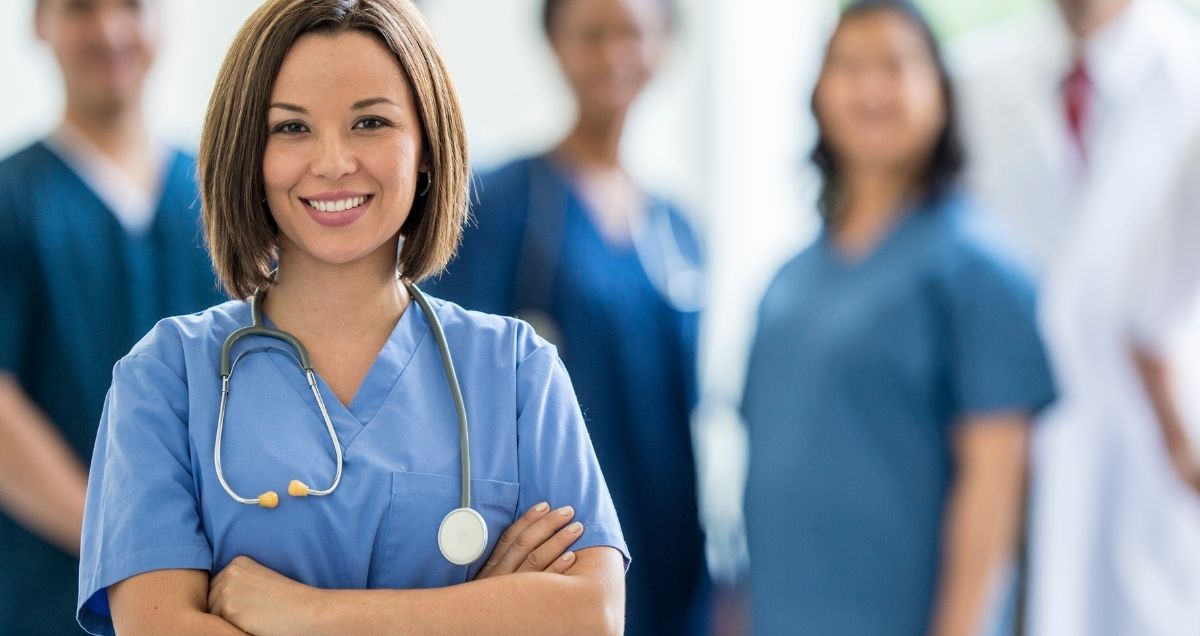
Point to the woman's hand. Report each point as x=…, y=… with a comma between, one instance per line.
x=536, y=542
x=258, y=600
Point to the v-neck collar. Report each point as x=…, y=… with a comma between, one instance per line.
x=164, y=192
x=135, y=208
x=376, y=386
x=845, y=261
x=578, y=207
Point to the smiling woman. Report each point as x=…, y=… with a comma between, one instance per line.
x=334, y=177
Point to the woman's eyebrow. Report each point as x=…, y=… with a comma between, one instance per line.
x=291, y=107
x=366, y=103
x=359, y=105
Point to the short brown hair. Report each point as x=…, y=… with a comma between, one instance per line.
x=241, y=234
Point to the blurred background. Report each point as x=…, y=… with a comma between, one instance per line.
x=725, y=130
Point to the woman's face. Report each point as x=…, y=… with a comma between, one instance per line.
x=609, y=49
x=879, y=100
x=344, y=147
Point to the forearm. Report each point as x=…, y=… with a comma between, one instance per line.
x=181, y=623
x=526, y=603
x=982, y=523
x=1156, y=380
x=166, y=602
x=42, y=482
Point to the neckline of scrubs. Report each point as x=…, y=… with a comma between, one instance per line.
x=381, y=378
x=576, y=203
x=849, y=262
x=163, y=191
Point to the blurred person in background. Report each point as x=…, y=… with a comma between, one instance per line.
x=895, y=371
x=100, y=239
x=1075, y=125
x=609, y=272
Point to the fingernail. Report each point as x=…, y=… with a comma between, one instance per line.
x=570, y=556
x=565, y=511
x=542, y=507
x=575, y=527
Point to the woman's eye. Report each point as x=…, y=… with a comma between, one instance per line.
x=291, y=128
x=370, y=123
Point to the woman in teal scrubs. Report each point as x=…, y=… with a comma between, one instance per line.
x=333, y=158
x=895, y=370
x=98, y=241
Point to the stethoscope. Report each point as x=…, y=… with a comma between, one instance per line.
x=678, y=280
x=463, y=534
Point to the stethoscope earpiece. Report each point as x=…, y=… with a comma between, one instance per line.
x=297, y=488
x=268, y=499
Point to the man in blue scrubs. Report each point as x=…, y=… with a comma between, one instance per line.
x=100, y=239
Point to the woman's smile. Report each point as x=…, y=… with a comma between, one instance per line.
x=336, y=209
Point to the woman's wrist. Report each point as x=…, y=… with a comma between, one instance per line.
x=318, y=611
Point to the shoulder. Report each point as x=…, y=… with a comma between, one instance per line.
x=503, y=179
x=20, y=174
x=792, y=281
x=181, y=179
x=17, y=168
x=482, y=338
x=1176, y=32
x=176, y=340
x=182, y=163
x=500, y=196
x=968, y=244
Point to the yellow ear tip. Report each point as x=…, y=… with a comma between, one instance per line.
x=297, y=488
x=268, y=499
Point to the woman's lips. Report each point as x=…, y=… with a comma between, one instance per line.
x=337, y=212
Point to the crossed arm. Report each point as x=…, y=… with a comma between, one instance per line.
x=531, y=584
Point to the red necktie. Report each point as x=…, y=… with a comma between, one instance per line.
x=1077, y=93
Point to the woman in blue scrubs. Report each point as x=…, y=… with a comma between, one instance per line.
x=895, y=371
x=332, y=158
x=609, y=273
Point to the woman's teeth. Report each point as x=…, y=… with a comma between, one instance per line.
x=337, y=206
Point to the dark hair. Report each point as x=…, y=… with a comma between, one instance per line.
x=551, y=9
x=945, y=163
x=240, y=231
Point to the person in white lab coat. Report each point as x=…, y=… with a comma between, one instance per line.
x=1075, y=125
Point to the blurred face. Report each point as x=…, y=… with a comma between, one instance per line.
x=1083, y=16
x=104, y=47
x=879, y=99
x=609, y=49
x=344, y=148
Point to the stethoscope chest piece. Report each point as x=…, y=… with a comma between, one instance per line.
x=463, y=536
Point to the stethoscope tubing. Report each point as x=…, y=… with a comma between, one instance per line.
x=258, y=328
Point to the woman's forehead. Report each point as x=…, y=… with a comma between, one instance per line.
x=347, y=66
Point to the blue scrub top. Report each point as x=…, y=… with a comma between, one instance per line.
x=631, y=355
x=859, y=373
x=76, y=292
x=154, y=500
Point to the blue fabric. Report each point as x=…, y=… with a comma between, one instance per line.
x=858, y=375
x=154, y=500
x=632, y=358
x=76, y=292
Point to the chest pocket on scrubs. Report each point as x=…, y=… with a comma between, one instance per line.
x=408, y=556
